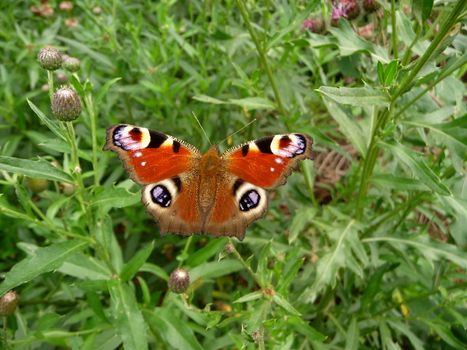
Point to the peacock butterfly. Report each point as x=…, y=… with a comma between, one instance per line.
x=219, y=194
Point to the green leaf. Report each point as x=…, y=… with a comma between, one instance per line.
x=104, y=90
x=155, y=270
x=349, y=42
x=97, y=57
x=358, y=96
x=303, y=216
x=282, y=302
x=114, y=197
x=215, y=269
x=51, y=124
x=249, y=297
x=34, y=168
x=175, y=331
x=304, y=328
x=128, y=318
x=133, y=266
x=431, y=250
x=82, y=266
x=43, y=260
x=422, y=9
x=190, y=50
x=202, y=255
x=208, y=99
x=351, y=341
x=418, y=167
x=253, y=103
x=349, y=127
x=398, y=183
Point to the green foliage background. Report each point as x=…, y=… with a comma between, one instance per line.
x=378, y=262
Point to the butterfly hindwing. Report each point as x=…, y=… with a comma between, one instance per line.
x=268, y=161
x=148, y=155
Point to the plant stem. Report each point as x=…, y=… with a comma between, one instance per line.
x=262, y=57
x=384, y=116
x=394, y=30
x=245, y=265
x=446, y=73
x=88, y=101
x=444, y=30
x=50, y=83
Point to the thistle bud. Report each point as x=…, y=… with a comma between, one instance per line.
x=8, y=303
x=71, y=64
x=370, y=5
x=314, y=25
x=352, y=9
x=179, y=281
x=66, y=105
x=50, y=58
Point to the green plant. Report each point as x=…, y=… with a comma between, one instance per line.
x=364, y=249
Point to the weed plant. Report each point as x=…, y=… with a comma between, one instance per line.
x=363, y=248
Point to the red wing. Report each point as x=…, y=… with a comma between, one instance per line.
x=268, y=161
x=150, y=156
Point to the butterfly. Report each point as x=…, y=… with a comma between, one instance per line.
x=218, y=194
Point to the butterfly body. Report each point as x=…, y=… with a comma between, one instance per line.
x=219, y=194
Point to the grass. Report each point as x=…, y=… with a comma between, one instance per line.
x=362, y=248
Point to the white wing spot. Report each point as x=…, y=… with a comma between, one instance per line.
x=278, y=160
x=138, y=154
x=272, y=169
x=143, y=163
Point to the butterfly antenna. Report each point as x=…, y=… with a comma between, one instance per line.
x=239, y=130
x=204, y=131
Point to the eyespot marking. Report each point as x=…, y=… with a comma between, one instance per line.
x=161, y=196
x=249, y=200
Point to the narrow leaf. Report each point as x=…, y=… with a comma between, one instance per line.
x=41, y=261
x=34, y=168
x=51, y=124
x=132, y=266
x=128, y=318
x=358, y=96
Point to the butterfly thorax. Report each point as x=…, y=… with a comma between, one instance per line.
x=210, y=167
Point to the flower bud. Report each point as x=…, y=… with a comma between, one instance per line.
x=71, y=64
x=370, y=5
x=229, y=248
x=352, y=9
x=8, y=303
x=66, y=105
x=36, y=185
x=314, y=25
x=66, y=6
x=50, y=58
x=179, y=281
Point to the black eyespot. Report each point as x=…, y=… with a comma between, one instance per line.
x=249, y=200
x=160, y=195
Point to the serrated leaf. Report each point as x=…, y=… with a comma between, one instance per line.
x=43, y=260
x=349, y=127
x=430, y=249
x=419, y=168
x=128, y=318
x=41, y=169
